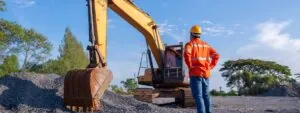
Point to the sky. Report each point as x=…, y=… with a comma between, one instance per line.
x=263, y=29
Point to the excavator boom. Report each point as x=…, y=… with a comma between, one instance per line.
x=83, y=88
x=143, y=23
x=134, y=16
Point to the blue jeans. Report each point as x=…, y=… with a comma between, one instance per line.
x=200, y=92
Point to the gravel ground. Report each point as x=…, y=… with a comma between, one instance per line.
x=30, y=92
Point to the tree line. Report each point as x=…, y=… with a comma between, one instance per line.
x=128, y=86
x=254, y=76
x=249, y=77
x=25, y=49
x=34, y=49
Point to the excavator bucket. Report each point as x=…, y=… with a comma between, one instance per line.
x=83, y=89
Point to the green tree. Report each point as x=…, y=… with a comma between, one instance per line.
x=35, y=47
x=232, y=93
x=253, y=76
x=10, y=64
x=72, y=56
x=215, y=92
x=116, y=89
x=130, y=84
x=2, y=5
x=14, y=39
x=10, y=36
x=51, y=66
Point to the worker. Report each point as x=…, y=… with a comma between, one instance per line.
x=200, y=58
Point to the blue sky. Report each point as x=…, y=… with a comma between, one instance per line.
x=264, y=29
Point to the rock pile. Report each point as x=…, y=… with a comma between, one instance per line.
x=31, y=92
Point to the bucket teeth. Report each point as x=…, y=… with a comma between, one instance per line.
x=81, y=108
x=68, y=107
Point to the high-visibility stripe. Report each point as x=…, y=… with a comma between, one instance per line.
x=200, y=45
x=188, y=50
x=201, y=58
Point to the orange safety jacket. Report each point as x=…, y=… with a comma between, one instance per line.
x=200, y=58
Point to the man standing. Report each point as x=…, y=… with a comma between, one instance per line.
x=200, y=59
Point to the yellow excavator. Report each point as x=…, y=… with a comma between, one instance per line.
x=83, y=88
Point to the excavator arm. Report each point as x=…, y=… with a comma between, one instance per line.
x=134, y=16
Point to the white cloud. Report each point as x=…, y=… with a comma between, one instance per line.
x=218, y=31
x=212, y=29
x=110, y=24
x=271, y=43
x=207, y=22
x=178, y=33
x=24, y=3
x=236, y=25
x=109, y=20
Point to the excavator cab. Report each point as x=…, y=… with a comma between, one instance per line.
x=174, y=72
x=172, y=75
x=171, y=81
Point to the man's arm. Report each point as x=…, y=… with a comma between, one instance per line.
x=187, y=55
x=214, y=56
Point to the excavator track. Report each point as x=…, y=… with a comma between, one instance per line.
x=145, y=95
x=183, y=96
x=185, y=99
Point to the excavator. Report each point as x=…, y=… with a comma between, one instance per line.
x=84, y=88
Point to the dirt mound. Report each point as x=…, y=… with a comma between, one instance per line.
x=31, y=92
x=114, y=103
